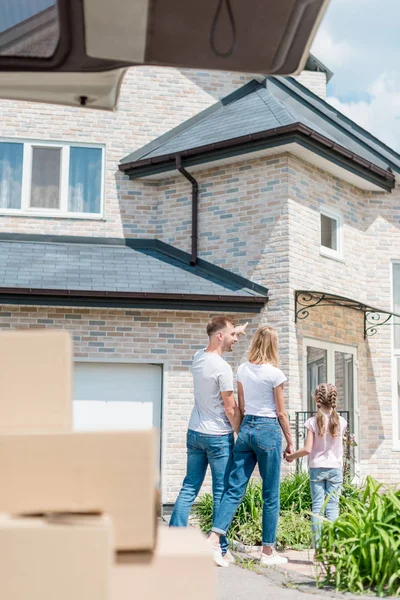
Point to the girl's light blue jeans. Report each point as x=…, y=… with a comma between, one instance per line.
x=325, y=483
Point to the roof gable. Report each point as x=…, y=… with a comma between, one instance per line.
x=332, y=122
x=270, y=107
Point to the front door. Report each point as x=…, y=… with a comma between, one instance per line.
x=325, y=362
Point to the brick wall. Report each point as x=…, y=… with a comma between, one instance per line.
x=314, y=81
x=243, y=226
x=261, y=218
x=371, y=242
x=152, y=101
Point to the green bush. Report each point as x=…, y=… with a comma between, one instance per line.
x=246, y=526
x=294, y=531
x=296, y=493
x=294, y=528
x=361, y=550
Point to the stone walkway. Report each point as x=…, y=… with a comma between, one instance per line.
x=247, y=579
x=300, y=562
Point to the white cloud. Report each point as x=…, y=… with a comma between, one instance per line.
x=333, y=53
x=380, y=116
x=358, y=40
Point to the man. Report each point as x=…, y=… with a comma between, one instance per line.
x=214, y=418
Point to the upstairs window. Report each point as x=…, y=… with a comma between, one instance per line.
x=51, y=179
x=331, y=233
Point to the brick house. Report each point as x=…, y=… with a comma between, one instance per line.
x=204, y=193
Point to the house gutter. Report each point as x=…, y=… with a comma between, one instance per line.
x=149, y=300
x=195, y=207
x=256, y=141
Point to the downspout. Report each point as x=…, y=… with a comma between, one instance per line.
x=195, y=207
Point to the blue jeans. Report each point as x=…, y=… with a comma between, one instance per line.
x=259, y=441
x=325, y=484
x=204, y=450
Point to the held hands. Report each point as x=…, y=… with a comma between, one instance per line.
x=286, y=454
x=240, y=329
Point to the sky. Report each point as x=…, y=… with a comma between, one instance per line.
x=358, y=40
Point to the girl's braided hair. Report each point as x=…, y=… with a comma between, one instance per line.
x=326, y=396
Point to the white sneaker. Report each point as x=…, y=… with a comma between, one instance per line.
x=217, y=555
x=229, y=558
x=272, y=559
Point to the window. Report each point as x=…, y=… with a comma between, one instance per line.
x=396, y=355
x=331, y=229
x=50, y=179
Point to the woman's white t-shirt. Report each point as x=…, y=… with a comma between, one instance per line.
x=259, y=382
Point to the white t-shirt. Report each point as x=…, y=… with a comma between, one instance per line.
x=259, y=382
x=211, y=376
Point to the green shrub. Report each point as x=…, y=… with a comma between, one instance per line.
x=203, y=512
x=361, y=550
x=294, y=531
x=246, y=525
x=296, y=493
x=248, y=533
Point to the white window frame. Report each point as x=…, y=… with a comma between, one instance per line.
x=331, y=348
x=56, y=213
x=395, y=356
x=336, y=216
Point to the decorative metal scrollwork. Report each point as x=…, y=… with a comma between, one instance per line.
x=373, y=317
x=306, y=300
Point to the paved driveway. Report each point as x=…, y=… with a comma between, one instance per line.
x=234, y=583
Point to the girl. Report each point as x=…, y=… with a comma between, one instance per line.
x=260, y=393
x=324, y=445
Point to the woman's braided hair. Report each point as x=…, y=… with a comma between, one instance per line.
x=326, y=396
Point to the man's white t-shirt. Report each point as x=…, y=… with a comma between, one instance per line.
x=211, y=376
x=259, y=382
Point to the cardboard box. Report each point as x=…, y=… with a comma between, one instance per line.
x=112, y=472
x=47, y=561
x=35, y=381
x=180, y=567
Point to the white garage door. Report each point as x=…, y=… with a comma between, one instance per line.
x=117, y=396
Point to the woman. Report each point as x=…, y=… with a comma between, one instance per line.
x=260, y=392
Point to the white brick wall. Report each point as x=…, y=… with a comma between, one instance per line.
x=314, y=81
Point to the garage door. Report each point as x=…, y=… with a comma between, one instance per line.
x=117, y=396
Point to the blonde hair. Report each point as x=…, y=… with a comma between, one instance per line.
x=326, y=396
x=264, y=346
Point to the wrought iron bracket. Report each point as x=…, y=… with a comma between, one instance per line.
x=373, y=317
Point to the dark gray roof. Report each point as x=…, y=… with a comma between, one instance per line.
x=264, y=106
x=110, y=268
x=258, y=110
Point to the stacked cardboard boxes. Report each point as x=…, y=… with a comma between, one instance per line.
x=79, y=509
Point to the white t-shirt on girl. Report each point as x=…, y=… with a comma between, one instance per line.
x=259, y=382
x=327, y=451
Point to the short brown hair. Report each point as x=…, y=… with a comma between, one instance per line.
x=217, y=324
